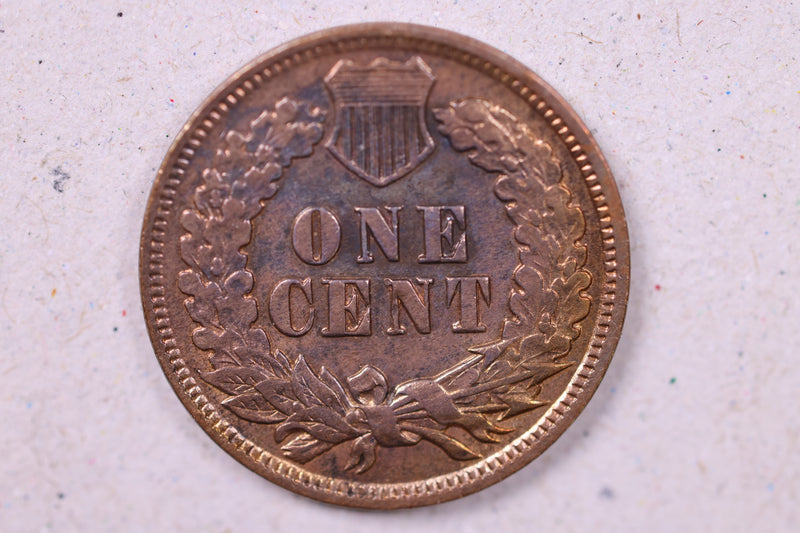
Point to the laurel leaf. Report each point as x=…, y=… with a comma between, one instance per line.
x=253, y=408
x=451, y=446
x=320, y=422
x=259, y=417
x=249, y=355
x=233, y=380
x=303, y=447
x=281, y=358
x=253, y=401
x=222, y=358
x=279, y=393
x=336, y=387
x=310, y=390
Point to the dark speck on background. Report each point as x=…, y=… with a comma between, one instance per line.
x=61, y=495
x=607, y=493
x=60, y=178
x=119, y=14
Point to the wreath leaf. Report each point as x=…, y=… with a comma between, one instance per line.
x=303, y=447
x=451, y=446
x=233, y=380
x=310, y=390
x=319, y=422
x=279, y=393
x=254, y=408
x=550, y=279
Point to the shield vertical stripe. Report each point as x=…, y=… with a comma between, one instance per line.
x=380, y=132
x=345, y=146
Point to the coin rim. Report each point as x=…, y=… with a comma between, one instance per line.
x=600, y=183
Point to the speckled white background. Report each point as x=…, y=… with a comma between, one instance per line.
x=695, y=427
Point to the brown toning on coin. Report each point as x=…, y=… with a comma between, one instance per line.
x=384, y=266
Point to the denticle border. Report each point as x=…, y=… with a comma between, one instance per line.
x=440, y=488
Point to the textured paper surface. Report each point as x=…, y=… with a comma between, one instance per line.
x=695, y=105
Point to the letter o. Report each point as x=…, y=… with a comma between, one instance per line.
x=316, y=235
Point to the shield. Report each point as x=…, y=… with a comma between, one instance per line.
x=380, y=132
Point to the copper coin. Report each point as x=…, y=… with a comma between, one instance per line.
x=384, y=266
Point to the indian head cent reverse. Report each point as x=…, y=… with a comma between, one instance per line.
x=384, y=266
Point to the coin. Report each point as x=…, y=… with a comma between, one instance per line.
x=384, y=266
